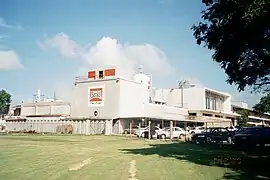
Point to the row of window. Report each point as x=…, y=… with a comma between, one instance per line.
x=213, y=103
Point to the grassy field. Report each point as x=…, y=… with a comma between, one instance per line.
x=118, y=158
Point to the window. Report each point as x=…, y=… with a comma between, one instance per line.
x=214, y=104
x=207, y=102
x=204, y=114
x=100, y=74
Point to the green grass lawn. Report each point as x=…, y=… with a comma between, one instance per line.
x=109, y=158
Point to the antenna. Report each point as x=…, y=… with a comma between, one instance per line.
x=38, y=95
x=141, y=68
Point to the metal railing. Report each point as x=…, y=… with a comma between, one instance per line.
x=81, y=78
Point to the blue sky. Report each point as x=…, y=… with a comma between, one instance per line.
x=45, y=44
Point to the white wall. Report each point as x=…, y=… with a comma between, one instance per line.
x=45, y=108
x=110, y=108
x=60, y=109
x=28, y=110
x=164, y=112
x=227, y=105
x=132, y=95
x=194, y=98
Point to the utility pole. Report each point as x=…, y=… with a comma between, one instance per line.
x=181, y=85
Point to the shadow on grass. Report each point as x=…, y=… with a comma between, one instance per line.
x=244, y=165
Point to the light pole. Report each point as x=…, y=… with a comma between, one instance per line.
x=181, y=85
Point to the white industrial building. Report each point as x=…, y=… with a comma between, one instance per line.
x=104, y=102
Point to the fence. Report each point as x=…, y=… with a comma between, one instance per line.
x=52, y=126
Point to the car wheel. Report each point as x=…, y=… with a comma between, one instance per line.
x=192, y=132
x=163, y=136
x=208, y=140
x=181, y=136
x=229, y=140
x=125, y=132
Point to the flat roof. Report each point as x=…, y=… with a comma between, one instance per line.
x=217, y=92
x=42, y=103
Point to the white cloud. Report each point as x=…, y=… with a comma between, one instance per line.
x=108, y=52
x=4, y=24
x=9, y=60
x=67, y=47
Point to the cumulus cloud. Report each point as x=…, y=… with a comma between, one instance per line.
x=9, y=60
x=108, y=52
x=61, y=42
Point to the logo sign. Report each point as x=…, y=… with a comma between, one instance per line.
x=96, y=96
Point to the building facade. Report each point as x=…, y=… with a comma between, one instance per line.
x=103, y=102
x=254, y=118
x=203, y=104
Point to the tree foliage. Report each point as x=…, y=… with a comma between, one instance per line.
x=264, y=105
x=238, y=32
x=242, y=119
x=5, y=100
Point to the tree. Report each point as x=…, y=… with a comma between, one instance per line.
x=242, y=119
x=264, y=104
x=5, y=100
x=238, y=33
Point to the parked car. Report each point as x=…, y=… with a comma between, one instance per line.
x=133, y=130
x=232, y=128
x=177, y=132
x=197, y=130
x=252, y=136
x=143, y=131
x=216, y=135
x=154, y=130
x=140, y=132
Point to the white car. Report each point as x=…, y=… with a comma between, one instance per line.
x=232, y=129
x=177, y=132
x=196, y=130
x=142, y=132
